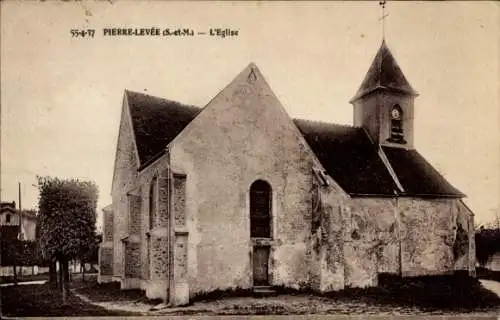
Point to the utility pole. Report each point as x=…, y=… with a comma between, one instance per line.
x=20, y=236
x=498, y=220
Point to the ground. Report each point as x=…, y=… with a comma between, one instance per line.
x=431, y=296
x=28, y=300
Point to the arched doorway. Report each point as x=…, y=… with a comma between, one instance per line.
x=261, y=228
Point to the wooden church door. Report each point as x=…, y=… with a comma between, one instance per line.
x=261, y=266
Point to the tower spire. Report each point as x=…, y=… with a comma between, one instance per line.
x=382, y=4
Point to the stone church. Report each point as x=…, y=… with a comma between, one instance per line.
x=238, y=195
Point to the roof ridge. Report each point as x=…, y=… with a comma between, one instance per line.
x=127, y=91
x=327, y=123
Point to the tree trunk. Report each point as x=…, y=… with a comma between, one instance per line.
x=60, y=276
x=70, y=263
x=15, y=274
x=65, y=286
x=53, y=274
x=82, y=267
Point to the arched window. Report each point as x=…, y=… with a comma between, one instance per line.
x=260, y=209
x=153, y=202
x=397, y=135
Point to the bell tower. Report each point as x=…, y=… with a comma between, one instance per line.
x=384, y=103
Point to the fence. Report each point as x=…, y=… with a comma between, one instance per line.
x=6, y=271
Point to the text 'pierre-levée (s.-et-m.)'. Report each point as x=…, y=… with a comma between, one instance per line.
x=222, y=32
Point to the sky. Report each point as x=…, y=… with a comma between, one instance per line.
x=61, y=96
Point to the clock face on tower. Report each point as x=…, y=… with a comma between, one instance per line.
x=395, y=114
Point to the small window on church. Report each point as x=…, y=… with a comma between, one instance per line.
x=153, y=202
x=260, y=209
x=7, y=218
x=397, y=135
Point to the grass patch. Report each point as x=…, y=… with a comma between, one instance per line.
x=447, y=293
x=459, y=293
x=44, y=301
x=221, y=294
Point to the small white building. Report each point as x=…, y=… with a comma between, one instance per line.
x=494, y=262
x=9, y=216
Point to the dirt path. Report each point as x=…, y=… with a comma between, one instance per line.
x=23, y=283
x=491, y=285
x=130, y=306
x=282, y=304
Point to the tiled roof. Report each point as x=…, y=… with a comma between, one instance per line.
x=349, y=157
x=417, y=176
x=156, y=122
x=10, y=206
x=384, y=73
x=347, y=153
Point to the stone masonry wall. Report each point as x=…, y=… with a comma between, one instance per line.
x=108, y=225
x=135, y=202
x=164, y=200
x=472, y=242
x=132, y=260
x=370, y=241
x=132, y=242
x=433, y=236
x=427, y=236
x=154, y=245
x=179, y=201
x=106, y=247
x=181, y=249
x=124, y=180
x=159, y=256
x=464, y=253
x=106, y=261
x=327, y=268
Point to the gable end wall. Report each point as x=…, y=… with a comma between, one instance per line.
x=243, y=135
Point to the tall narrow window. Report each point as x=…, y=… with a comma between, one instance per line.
x=7, y=218
x=148, y=257
x=397, y=135
x=153, y=202
x=260, y=209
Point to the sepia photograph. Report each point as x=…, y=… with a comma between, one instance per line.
x=250, y=158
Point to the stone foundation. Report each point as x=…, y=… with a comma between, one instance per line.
x=106, y=259
x=130, y=283
x=143, y=284
x=181, y=294
x=157, y=289
x=104, y=278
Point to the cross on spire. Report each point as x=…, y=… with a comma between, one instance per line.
x=382, y=4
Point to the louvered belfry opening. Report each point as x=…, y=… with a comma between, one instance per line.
x=397, y=135
x=260, y=209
